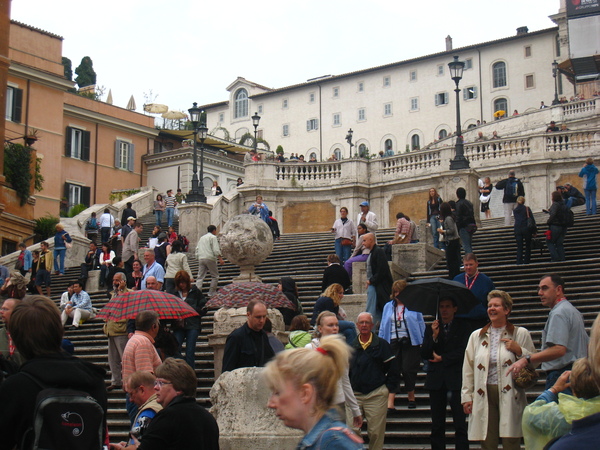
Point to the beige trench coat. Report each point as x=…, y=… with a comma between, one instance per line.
x=474, y=381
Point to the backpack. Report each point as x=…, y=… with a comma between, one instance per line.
x=184, y=241
x=65, y=419
x=92, y=224
x=512, y=187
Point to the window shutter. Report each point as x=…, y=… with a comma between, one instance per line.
x=17, y=105
x=308, y=125
x=85, y=195
x=117, y=142
x=64, y=206
x=445, y=98
x=474, y=91
x=131, y=155
x=316, y=124
x=437, y=99
x=85, y=151
x=68, y=137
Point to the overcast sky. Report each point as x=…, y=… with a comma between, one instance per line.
x=188, y=51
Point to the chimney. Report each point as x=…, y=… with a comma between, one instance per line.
x=448, y=43
x=522, y=30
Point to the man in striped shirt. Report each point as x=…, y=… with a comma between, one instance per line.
x=139, y=353
x=170, y=203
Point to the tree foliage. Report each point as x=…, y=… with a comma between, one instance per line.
x=68, y=65
x=17, y=163
x=86, y=76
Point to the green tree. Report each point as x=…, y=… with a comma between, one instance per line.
x=68, y=65
x=85, y=73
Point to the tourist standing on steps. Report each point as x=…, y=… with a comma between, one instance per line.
x=564, y=338
x=61, y=242
x=557, y=222
x=128, y=212
x=450, y=233
x=485, y=190
x=345, y=235
x=208, y=252
x=589, y=173
x=379, y=278
x=159, y=209
x=523, y=234
x=107, y=221
x=170, y=204
x=43, y=269
x=480, y=285
x=433, y=221
x=465, y=220
x=513, y=188
x=369, y=218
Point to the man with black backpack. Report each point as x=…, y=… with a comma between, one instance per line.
x=55, y=400
x=513, y=189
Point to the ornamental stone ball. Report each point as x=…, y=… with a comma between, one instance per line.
x=246, y=240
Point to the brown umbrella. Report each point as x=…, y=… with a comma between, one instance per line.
x=238, y=295
x=174, y=115
x=155, y=108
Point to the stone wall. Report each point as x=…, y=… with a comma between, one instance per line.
x=413, y=204
x=303, y=217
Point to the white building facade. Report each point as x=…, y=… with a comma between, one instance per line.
x=399, y=107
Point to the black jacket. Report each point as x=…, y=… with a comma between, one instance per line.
x=381, y=276
x=448, y=372
x=246, y=348
x=19, y=392
x=182, y=425
x=373, y=367
x=335, y=273
x=509, y=197
x=464, y=213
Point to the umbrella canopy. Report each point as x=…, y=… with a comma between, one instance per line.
x=238, y=295
x=424, y=295
x=156, y=108
x=174, y=115
x=129, y=304
x=131, y=104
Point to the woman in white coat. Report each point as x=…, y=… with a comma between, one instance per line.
x=488, y=393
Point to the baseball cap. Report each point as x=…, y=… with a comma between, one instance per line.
x=364, y=204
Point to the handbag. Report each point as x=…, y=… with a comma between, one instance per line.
x=531, y=225
x=68, y=245
x=400, y=239
x=471, y=228
x=346, y=241
x=527, y=378
x=484, y=198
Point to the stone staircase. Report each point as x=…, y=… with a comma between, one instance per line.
x=302, y=256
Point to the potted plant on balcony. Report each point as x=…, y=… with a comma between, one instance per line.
x=31, y=137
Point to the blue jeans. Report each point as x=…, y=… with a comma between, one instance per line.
x=190, y=337
x=170, y=214
x=342, y=251
x=105, y=234
x=59, y=260
x=555, y=244
x=523, y=235
x=348, y=330
x=158, y=213
x=435, y=224
x=372, y=304
x=590, y=201
x=465, y=240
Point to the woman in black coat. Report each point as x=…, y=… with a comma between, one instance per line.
x=523, y=234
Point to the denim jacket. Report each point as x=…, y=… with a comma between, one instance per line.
x=330, y=434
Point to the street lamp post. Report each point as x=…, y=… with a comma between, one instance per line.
x=459, y=162
x=556, y=101
x=255, y=122
x=349, y=140
x=198, y=119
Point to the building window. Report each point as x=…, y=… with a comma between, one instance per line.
x=336, y=92
x=241, y=103
x=361, y=86
x=124, y=155
x=557, y=44
x=501, y=104
x=414, y=104
x=77, y=144
x=76, y=194
x=363, y=151
x=260, y=109
x=338, y=153
x=528, y=51
x=284, y=103
x=312, y=124
x=362, y=115
x=415, y=142
x=470, y=93
x=413, y=75
x=14, y=104
x=440, y=70
x=499, y=73
x=221, y=117
x=311, y=97
x=441, y=98
x=387, y=109
x=336, y=120
x=529, y=81
x=443, y=134
x=386, y=82
x=285, y=130
x=389, y=147
x=312, y=156
x=468, y=64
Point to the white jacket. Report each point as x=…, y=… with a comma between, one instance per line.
x=474, y=382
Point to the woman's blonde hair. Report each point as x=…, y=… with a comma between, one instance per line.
x=583, y=382
x=521, y=200
x=335, y=292
x=398, y=287
x=321, y=368
x=60, y=227
x=507, y=301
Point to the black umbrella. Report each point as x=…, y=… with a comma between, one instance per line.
x=424, y=295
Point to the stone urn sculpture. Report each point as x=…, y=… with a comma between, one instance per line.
x=246, y=241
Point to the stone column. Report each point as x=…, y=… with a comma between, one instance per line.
x=194, y=218
x=467, y=179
